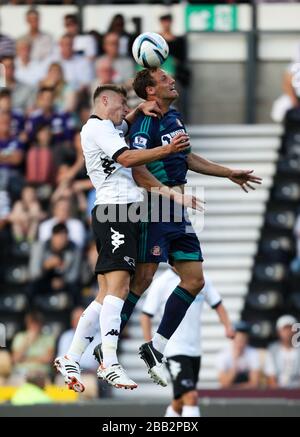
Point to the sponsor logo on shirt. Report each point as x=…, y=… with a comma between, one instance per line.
x=167, y=138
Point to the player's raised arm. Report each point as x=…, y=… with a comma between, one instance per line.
x=145, y=179
x=244, y=178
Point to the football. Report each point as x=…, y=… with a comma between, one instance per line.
x=150, y=50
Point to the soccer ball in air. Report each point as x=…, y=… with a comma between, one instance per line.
x=150, y=50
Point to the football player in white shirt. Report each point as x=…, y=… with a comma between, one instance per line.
x=108, y=161
x=183, y=351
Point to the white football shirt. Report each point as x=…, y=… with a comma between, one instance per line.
x=186, y=340
x=102, y=143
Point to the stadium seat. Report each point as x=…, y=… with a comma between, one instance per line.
x=262, y=332
x=278, y=249
x=287, y=191
x=17, y=274
x=283, y=219
x=294, y=301
x=13, y=303
x=289, y=165
x=53, y=302
x=265, y=300
x=20, y=251
x=270, y=272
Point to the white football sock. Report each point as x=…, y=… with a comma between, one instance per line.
x=86, y=329
x=190, y=411
x=159, y=342
x=110, y=321
x=170, y=412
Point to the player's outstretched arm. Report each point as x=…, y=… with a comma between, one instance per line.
x=145, y=179
x=243, y=178
x=133, y=158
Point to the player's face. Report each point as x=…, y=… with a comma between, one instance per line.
x=165, y=85
x=118, y=108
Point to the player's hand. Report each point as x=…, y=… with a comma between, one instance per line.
x=245, y=178
x=150, y=108
x=179, y=143
x=189, y=201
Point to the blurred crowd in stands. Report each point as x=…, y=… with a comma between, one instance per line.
x=47, y=251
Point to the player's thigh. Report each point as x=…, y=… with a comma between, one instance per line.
x=143, y=276
x=191, y=275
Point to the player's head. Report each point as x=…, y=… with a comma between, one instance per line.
x=5, y=100
x=110, y=103
x=45, y=98
x=155, y=84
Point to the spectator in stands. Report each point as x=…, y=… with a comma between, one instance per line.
x=17, y=118
x=61, y=214
x=88, y=363
x=11, y=157
x=176, y=64
x=40, y=168
x=238, y=365
x=5, y=366
x=295, y=265
x=282, y=366
x=42, y=44
x=117, y=25
x=7, y=46
x=62, y=123
x=26, y=70
x=23, y=96
x=26, y=215
x=88, y=278
x=104, y=73
x=32, y=391
x=69, y=161
x=78, y=70
x=64, y=93
x=55, y=264
x=32, y=350
x=83, y=44
x=123, y=66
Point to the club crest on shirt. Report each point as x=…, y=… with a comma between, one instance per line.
x=140, y=142
x=156, y=251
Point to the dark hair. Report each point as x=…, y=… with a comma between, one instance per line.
x=59, y=228
x=109, y=87
x=45, y=89
x=166, y=17
x=143, y=79
x=5, y=92
x=72, y=17
x=35, y=316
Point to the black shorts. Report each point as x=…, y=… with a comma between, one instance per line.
x=116, y=240
x=184, y=372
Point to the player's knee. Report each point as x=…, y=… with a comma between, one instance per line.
x=190, y=398
x=195, y=284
